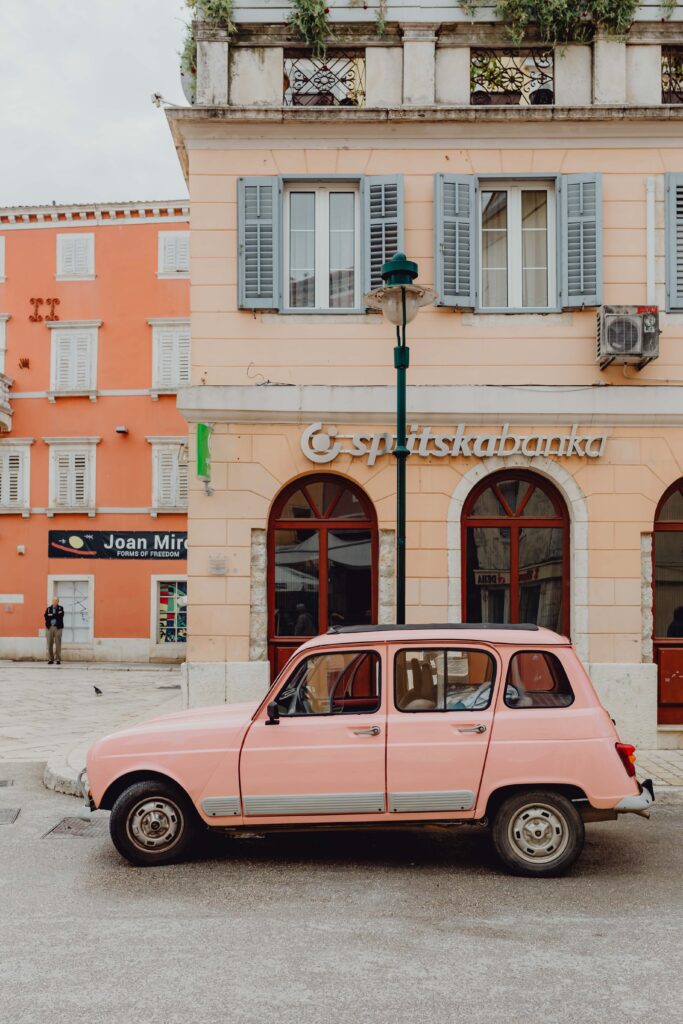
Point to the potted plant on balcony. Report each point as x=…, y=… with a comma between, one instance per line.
x=564, y=21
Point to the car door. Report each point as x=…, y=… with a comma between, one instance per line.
x=439, y=728
x=325, y=757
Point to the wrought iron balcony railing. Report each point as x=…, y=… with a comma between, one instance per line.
x=336, y=80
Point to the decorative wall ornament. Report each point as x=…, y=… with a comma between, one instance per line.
x=35, y=316
x=51, y=316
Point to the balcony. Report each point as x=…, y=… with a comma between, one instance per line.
x=5, y=408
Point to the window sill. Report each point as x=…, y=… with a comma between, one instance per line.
x=71, y=510
x=75, y=277
x=181, y=275
x=159, y=510
x=17, y=511
x=156, y=392
x=52, y=396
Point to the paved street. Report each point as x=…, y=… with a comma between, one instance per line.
x=337, y=928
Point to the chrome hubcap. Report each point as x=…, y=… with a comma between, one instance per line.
x=539, y=833
x=155, y=823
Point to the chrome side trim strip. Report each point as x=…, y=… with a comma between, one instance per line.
x=315, y=803
x=221, y=806
x=437, y=800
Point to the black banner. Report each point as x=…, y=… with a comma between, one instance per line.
x=171, y=546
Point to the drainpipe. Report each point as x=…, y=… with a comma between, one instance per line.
x=650, y=239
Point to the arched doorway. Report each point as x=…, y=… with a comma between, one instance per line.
x=668, y=604
x=322, y=562
x=515, y=552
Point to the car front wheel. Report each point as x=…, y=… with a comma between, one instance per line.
x=538, y=833
x=153, y=823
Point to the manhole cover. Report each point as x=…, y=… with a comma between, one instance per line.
x=6, y=782
x=8, y=815
x=94, y=829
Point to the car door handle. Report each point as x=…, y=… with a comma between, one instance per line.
x=473, y=728
x=372, y=731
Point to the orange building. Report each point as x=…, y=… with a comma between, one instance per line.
x=94, y=342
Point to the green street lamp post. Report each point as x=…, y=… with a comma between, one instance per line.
x=400, y=300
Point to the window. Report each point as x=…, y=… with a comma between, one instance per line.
x=170, y=354
x=322, y=247
x=537, y=679
x=73, y=363
x=75, y=256
x=443, y=680
x=672, y=74
x=668, y=604
x=171, y=611
x=14, y=477
x=72, y=476
x=75, y=595
x=2, y=257
x=4, y=317
x=515, y=548
x=174, y=254
x=322, y=545
x=674, y=241
x=518, y=245
x=169, y=474
x=512, y=76
x=334, y=683
x=315, y=246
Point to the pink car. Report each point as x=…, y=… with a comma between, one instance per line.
x=381, y=726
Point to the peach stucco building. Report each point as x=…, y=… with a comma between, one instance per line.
x=94, y=343
x=546, y=475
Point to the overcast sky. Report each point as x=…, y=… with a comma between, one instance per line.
x=77, y=124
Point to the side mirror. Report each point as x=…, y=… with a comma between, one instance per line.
x=273, y=713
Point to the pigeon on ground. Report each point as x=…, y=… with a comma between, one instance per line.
x=97, y=691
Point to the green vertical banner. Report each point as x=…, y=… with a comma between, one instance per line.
x=204, y=431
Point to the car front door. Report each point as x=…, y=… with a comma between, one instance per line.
x=439, y=728
x=325, y=756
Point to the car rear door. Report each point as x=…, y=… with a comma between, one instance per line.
x=326, y=757
x=439, y=728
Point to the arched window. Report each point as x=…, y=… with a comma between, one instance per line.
x=668, y=603
x=515, y=547
x=322, y=558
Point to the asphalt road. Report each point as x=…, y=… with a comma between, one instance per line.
x=354, y=928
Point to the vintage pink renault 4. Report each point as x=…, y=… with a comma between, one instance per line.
x=384, y=726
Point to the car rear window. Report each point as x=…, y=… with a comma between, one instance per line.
x=443, y=679
x=537, y=679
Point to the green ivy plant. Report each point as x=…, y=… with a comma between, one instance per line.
x=217, y=13
x=564, y=21
x=309, y=19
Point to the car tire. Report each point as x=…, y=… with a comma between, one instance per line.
x=539, y=833
x=153, y=823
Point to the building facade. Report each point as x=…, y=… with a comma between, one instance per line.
x=94, y=343
x=537, y=190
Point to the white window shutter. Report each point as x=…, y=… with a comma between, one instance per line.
x=165, y=357
x=183, y=252
x=67, y=264
x=184, y=355
x=80, y=255
x=182, y=482
x=62, y=471
x=82, y=376
x=75, y=255
x=165, y=476
x=174, y=252
x=63, y=360
x=80, y=478
x=11, y=479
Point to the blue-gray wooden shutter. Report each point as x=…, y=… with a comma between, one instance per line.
x=382, y=225
x=674, y=241
x=258, y=260
x=454, y=263
x=581, y=248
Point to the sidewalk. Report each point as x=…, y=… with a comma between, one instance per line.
x=51, y=713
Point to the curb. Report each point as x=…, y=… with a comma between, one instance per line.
x=61, y=779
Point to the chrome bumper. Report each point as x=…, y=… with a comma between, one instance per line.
x=639, y=804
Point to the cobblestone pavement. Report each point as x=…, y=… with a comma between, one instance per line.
x=664, y=767
x=52, y=713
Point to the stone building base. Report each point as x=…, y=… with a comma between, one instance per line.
x=629, y=692
x=223, y=682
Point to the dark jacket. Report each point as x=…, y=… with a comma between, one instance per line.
x=57, y=613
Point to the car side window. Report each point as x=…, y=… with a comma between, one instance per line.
x=333, y=683
x=537, y=679
x=437, y=679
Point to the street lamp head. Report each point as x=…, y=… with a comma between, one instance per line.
x=399, y=270
x=399, y=274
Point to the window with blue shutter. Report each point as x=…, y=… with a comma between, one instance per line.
x=383, y=227
x=259, y=219
x=454, y=209
x=581, y=240
x=674, y=241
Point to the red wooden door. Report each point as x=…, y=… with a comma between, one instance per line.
x=668, y=604
x=322, y=562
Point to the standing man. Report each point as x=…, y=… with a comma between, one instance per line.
x=54, y=624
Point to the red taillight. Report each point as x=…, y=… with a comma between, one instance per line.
x=627, y=753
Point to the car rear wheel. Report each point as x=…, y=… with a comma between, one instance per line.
x=153, y=823
x=538, y=833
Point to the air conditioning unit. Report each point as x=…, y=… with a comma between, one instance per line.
x=628, y=334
